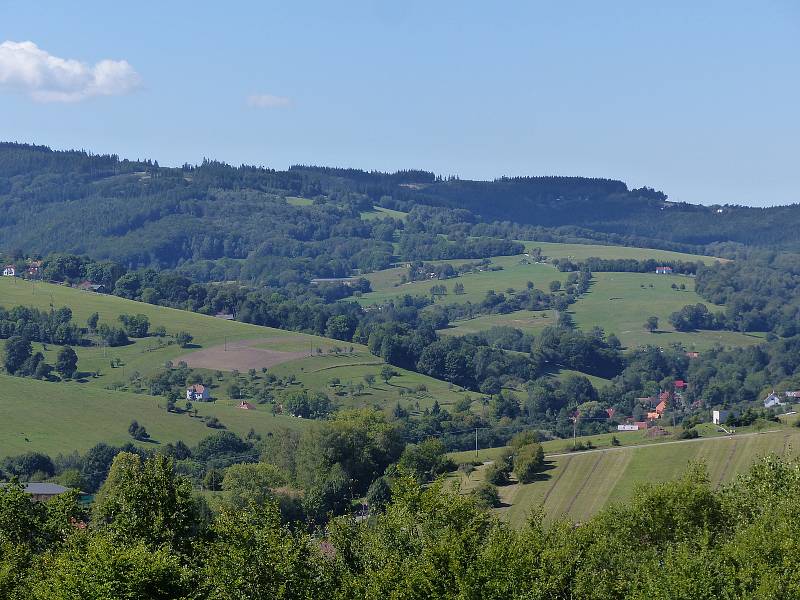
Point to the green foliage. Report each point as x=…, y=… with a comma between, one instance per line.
x=486, y=495
x=528, y=462
x=144, y=500
x=67, y=362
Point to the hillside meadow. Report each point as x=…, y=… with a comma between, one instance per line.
x=578, y=485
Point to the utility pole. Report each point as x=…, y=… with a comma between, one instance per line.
x=476, y=442
x=574, y=430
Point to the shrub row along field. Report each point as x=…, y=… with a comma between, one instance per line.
x=580, y=484
x=66, y=416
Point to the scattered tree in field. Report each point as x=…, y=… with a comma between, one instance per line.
x=369, y=379
x=528, y=461
x=67, y=362
x=138, y=432
x=486, y=495
x=183, y=338
x=18, y=350
x=91, y=322
x=458, y=288
x=555, y=285
x=651, y=324
x=387, y=373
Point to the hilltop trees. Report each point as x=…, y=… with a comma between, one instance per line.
x=66, y=362
x=651, y=324
x=18, y=350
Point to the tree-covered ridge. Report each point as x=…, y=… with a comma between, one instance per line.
x=225, y=222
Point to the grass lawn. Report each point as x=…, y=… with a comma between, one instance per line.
x=621, y=302
x=526, y=320
x=62, y=417
x=297, y=201
x=579, y=485
x=379, y=212
x=577, y=252
x=515, y=275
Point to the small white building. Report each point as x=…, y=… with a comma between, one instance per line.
x=9, y=271
x=772, y=400
x=197, y=391
x=627, y=428
x=718, y=417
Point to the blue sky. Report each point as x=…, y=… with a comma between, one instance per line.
x=697, y=99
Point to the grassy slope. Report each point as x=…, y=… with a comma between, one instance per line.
x=618, y=303
x=578, y=252
x=110, y=412
x=526, y=320
x=514, y=275
x=61, y=417
x=581, y=484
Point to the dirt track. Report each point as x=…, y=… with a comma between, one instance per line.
x=240, y=355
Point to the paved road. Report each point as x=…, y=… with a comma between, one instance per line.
x=702, y=439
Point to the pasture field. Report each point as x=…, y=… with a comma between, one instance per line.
x=297, y=201
x=579, y=485
x=525, y=320
x=62, y=417
x=218, y=345
x=515, y=275
x=578, y=252
x=378, y=212
x=621, y=302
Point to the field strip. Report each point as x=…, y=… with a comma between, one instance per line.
x=557, y=479
x=584, y=484
x=339, y=366
x=728, y=461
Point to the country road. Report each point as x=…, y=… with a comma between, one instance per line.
x=700, y=439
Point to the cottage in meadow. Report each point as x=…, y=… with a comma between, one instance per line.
x=9, y=271
x=197, y=391
x=663, y=270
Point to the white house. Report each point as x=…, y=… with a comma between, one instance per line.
x=197, y=391
x=772, y=400
x=627, y=428
x=9, y=271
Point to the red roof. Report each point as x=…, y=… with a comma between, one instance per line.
x=693, y=354
x=641, y=424
x=246, y=405
x=664, y=396
x=662, y=406
x=198, y=388
x=610, y=412
x=653, y=415
x=680, y=383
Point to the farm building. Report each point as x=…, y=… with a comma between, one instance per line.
x=772, y=400
x=718, y=417
x=197, y=391
x=630, y=427
x=41, y=492
x=693, y=355
x=246, y=405
x=793, y=394
x=641, y=424
x=89, y=286
x=9, y=271
x=680, y=384
x=34, y=269
x=663, y=270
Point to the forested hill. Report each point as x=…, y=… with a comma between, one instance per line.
x=223, y=222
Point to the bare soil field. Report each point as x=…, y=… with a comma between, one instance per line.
x=241, y=355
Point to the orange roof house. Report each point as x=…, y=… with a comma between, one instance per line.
x=652, y=416
x=661, y=407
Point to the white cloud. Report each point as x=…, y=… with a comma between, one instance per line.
x=268, y=101
x=26, y=68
